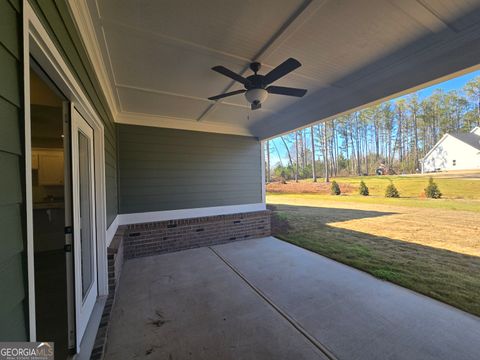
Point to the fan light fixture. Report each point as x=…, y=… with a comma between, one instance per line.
x=256, y=96
x=257, y=87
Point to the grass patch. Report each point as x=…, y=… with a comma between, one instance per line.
x=413, y=186
x=421, y=265
x=387, y=274
x=448, y=204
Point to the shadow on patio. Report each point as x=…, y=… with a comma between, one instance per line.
x=267, y=299
x=445, y=275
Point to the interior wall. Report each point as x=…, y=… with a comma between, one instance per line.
x=167, y=169
x=13, y=303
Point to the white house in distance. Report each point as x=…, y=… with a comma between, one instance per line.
x=459, y=151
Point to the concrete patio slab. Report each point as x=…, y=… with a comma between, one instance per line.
x=353, y=314
x=191, y=305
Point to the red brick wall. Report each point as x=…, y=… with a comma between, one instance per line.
x=174, y=235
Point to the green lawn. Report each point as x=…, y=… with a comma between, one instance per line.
x=432, y=247
x=413, y=186
x=450, y=204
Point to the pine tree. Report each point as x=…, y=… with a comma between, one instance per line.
x=432, y=191
x=335, y=189
x=391, y=191
x=363, y=190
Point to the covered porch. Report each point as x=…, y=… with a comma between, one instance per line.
x=162, y=231
x=267, y=299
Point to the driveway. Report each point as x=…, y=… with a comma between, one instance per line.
x=267, y=299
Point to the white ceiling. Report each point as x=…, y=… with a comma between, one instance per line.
x=158, y=56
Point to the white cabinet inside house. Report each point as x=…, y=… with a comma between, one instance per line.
x=50, y=166
x=34, y=161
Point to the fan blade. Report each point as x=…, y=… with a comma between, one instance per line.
x=283, y=90
x=229, y=73
x=281, y=70
x=226, y=94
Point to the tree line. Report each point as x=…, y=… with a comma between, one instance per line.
x=392, y=136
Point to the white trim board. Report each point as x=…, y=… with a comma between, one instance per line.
x=28, y=174
x=38, y=43
x=181, y=124
x=83, y=20
x=153, y=216
x=112, y=229
x=262, y=156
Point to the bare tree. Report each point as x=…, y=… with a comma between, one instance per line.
x=296, y=153
x=278, y=154
x=288, y=152
x=268, y=161
x=395, y=134
x=312, y=138
x=325, y=154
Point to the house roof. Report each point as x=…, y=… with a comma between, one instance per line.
x=153, y=58
x=468, y=138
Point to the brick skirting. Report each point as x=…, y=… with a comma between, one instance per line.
x=115, y=259
x=167, y=236
x=131, y=241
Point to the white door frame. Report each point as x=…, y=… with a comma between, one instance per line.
x=83, y=306
x=36, y=42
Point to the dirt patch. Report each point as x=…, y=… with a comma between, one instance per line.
x=304, y=187
x=456, y=231
x=432, y=251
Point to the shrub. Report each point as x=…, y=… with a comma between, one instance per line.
x=363, y=190
x=334, y=188
x=432, y=191
x=391, y=191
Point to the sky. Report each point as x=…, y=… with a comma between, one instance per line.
x=453, y=84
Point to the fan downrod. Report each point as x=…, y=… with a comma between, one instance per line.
x=255, y=66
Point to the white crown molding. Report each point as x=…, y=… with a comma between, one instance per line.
x=83, y=20
x=178, y=123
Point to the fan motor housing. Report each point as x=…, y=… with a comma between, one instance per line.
x=257, y=87
x=255, y=82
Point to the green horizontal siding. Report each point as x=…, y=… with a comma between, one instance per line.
x=10, y=131
x=13, y=325
x=10, y=181
x=56, y=18
x=166, y=169
x=9, y=73
x=9, y=31
x=11, y=277
x=11, y=225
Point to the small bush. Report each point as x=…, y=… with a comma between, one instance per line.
x=335, y=189
x=432, y=191
x=363, y=190
x=391, y=191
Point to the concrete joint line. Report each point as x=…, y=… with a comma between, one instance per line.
x=323, y=349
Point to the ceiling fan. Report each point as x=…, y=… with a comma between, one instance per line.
x=257, y=86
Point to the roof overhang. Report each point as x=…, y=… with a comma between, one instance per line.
x=153, y=58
